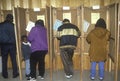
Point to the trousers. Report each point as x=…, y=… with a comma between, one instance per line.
x=66, y=57
x=8, y=49
x=37, y=57
x=100, y=67
x=27, y=66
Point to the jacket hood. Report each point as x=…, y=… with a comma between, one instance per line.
x=100, y=32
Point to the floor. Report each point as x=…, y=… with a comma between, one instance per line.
x=59, y=76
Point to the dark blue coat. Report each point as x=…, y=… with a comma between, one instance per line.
x=7, y=27
x=26, y=51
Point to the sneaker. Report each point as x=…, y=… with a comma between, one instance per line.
x=28, y=78
x=32, y=79
x=41, y=77
x=92, y=78
x=68, y=76
x=101, y=78
x=27, y=75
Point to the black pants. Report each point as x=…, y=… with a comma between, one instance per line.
x=37, y=57
x=6, y=50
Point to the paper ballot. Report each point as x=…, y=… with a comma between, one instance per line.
x=57, y=24
x=30, y=25
x=86, y=25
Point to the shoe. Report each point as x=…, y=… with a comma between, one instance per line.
x=41, y=77
x=16, y=75
x=5, y=76
x=92, y=78
x=27, y=75
x=68, y=76
x=101, y=78
x=28, y=78
x=32, y=79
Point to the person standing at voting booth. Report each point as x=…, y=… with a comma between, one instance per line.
x=98, y=39
x=8, y=45
x=39, y=46
x=26, y=51
x=68, y=35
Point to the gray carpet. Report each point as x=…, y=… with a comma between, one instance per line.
x=60, y=76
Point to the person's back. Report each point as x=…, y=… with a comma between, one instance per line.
x=9, y=27
x=38, y=39
x=98, y=39
x=26, y=52
x=9, y=47
x=68, y=34
x=7, y=32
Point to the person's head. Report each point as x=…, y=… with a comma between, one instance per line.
x=24, y=38
x=66, y=21
x=9, y=17
x=39, y=22
x=100, y=23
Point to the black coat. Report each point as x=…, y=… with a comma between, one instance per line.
x=7, y=32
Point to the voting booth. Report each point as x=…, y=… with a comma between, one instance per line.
x=85, y=18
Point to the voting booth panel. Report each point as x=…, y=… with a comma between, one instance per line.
x=58, y=16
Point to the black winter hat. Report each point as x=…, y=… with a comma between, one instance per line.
x=66, y=20
x=39, y=22
x=100, y=23
x=9, y=16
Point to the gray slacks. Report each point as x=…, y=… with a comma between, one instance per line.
x=66, y=57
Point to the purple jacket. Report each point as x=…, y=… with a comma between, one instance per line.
x=38, y=38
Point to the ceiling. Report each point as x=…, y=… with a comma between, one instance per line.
x=9, y=4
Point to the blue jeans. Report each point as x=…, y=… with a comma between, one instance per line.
x=27, y=66
x=101, y=69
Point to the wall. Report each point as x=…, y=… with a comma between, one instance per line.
x=9, y=4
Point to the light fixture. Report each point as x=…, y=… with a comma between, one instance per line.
x=66, y=8
x=36, y=9
x=96, y=7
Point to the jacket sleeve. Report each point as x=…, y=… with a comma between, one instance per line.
x=31, y=35
x=108, y=36
x=79, y=33
x=88, y=38
x=22, y=49
x=58, y=34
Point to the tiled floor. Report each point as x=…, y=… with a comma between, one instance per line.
x=60, y=76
